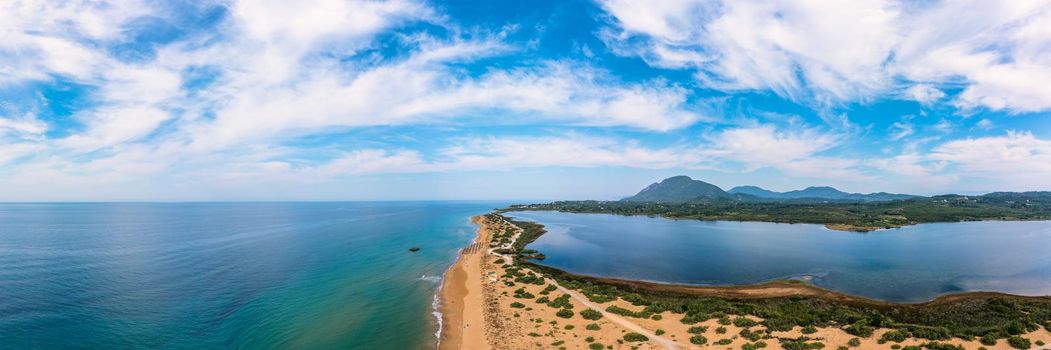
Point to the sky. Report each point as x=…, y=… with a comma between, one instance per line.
x=518, y=100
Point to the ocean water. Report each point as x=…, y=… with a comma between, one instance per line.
x=226, y=275
x=909, y=264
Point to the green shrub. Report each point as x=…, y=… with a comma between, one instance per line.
x=753, y=346
x=592, y=327
x=698, y=339
x=842, y=348
x=744, y=322
x=659, y=331
x=561, y=302
x=748, y=334
x=1018, y=342
x=809, y=329
x=517, y=305
x=724, y=341
x=570, y=327
x=724, y=320
x=521, y=293
x=557, y=343
x=801, y=345
x=498, y=261
x=697, y=329
x=625, y=312
x=1015, y=328
x=1039, y=343
x=855, y=342
x=534, y=334
x=635, y=337
x=657, y=317
x=933, y=345
x=990, y=338
x=564, y=313
x=720, y=330
x=590, y=314
x=894, y=336
x=895, y=346
x=912, y=347
x=595, y=346
x=543, y=300
x=860, y=328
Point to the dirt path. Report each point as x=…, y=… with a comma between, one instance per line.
x=666, y=343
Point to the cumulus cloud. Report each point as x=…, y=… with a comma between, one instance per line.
x=834, y=51
x=275, y=71
x=511, y=153
x=1020, y=158
x=795, y=152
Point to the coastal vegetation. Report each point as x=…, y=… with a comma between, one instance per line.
x=988, y=318
x=967, y=316
x=848, y=216
x=590, y=314
x=635, y=337
x=984, y=316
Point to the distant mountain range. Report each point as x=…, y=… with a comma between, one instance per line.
x=818, y=192
x=682, y=189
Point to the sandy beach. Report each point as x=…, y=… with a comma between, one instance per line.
x=462, y=300
x=488, y=303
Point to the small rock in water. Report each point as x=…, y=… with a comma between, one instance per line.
x=414, y=249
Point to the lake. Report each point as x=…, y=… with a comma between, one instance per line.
x=910, y=264
x=226, y=275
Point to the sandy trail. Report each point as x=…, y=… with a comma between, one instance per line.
x=632, y=326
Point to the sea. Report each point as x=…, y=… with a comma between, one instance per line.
x=318, y=275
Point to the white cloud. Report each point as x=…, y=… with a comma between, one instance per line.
x=38, y=38
x=27, y=127
x=1017, y=160
x=835, y=51
x=984, y=124
x=900, y=130
x=279, y=72
x=796, y=153
x=112, y=126
x=511, y=153
x=924, y=93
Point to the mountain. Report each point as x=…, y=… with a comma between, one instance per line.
x=818, y=192
x=755, y=191
x=679, y=189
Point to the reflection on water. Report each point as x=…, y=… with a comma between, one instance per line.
x=914, y=263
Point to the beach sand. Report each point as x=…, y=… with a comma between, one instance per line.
x=478, y=295
x=462, y=301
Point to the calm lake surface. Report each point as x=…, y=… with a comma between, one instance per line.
x=910, y=264
x=226, y=275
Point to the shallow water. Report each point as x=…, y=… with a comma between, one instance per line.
x=909, y=264
x=226, y=275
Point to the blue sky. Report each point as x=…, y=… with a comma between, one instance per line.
x=401, y=99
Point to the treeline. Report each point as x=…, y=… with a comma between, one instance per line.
x=859, y=216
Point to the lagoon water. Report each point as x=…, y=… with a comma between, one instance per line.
x=909, y=264
x=226, y=275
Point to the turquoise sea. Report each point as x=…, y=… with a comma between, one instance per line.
x=226, y=275
x=910, y=264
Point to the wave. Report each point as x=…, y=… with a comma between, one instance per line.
x=431, y=279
